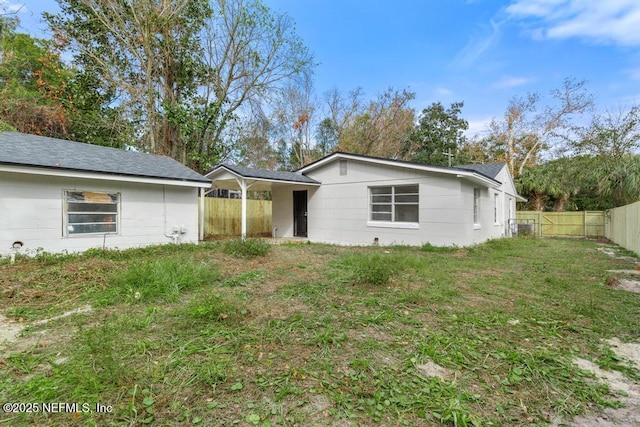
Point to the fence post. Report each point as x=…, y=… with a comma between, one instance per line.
x=585, y=223
x=539, y=223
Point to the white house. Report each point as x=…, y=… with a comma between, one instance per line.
x=68, y=196
x=350, y=199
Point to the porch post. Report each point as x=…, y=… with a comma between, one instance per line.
x=243, y=187
x=201, y=216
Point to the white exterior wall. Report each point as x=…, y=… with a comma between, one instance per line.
x=509, y=196
x=282, y=207
x=32, y=212
x=487, y=228
x=282, y=211
x=339, y=208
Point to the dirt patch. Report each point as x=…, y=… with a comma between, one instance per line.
x=607, y=250
x=432, y=369
x=610, y=251
x=627, y=285
x=11, y=340
x=628, y=391
x=629, y=350
x=614, y=379
x=9, y=330
x=84, y=309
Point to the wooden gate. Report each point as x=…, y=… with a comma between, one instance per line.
x=580, y=224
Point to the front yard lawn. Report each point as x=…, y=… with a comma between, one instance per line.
x=305, y=334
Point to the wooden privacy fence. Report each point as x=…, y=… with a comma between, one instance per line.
x=581, y=224
x=623, y=226
x=222, y=217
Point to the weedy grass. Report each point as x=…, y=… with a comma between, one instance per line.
x=248, y=248
x=157, y=279
x=371, y=268
x=317, y=334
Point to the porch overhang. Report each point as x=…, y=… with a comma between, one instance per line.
x=231, y=177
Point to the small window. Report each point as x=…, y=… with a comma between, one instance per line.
x=495, y=208
x=394, y=204
x=343, y=167
x=476, y=206
x=91, y=213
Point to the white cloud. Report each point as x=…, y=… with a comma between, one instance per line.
x=601, y=21
x=478, y=126
x=478, y=44
x=443, y=91
x=509, y=82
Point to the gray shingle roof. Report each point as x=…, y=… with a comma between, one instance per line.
x=38, y=151
x=267, y=174
x=489, y=169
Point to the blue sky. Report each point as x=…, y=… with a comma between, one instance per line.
x=481, y=52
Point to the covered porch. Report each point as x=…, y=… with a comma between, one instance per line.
x=289, y=208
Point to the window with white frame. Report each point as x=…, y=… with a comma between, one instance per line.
x=476, y=206
x=495, y=208
x=394, y=203
x=91, y=213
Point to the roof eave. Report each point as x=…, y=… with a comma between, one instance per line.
x=460, y=173
x=275, y=180
x=79, y=173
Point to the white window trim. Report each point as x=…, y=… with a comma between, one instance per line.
x=387, y=224
x=392, y=224
x=476, y=208
x=65, y=216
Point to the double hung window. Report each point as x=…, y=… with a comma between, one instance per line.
x=394, y=203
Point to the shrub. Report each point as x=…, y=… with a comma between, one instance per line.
x=372, y=269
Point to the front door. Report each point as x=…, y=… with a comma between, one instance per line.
x=300, y=213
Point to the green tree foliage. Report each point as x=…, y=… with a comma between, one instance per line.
x=6, y=127
x=327, y=135
x=619, y=183
x=583, y=182
x=182, y=70
x=41, y=95
x=254, y=147
x=439, y=132
x=28, y=78
x=552, y=185
x=145, y=51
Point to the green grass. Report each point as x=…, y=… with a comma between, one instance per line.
x=249, y=248
x=162, y=279
x=317, y=334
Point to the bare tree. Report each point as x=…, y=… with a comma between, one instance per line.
x=294, y=119
x=613, y=134
x=526, y=131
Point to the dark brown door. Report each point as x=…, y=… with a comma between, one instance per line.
x=300, y=213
